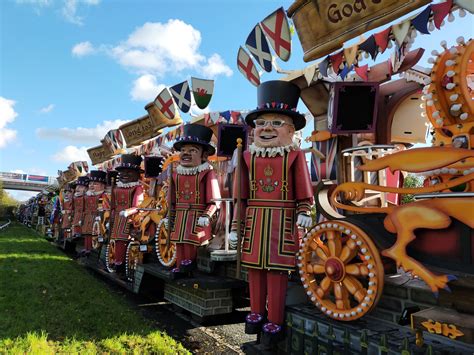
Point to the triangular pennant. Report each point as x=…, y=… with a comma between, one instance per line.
x=247, y=68
x=370, y=47
x=362, y=72
x=207, y=119
x=182, y=96
x=323, y=67
x=165, y=104
x=420, y=22
x=214, y=116
x=400, y=31
x=350, y=54
x=202, y=91
x=277, y=31
x=226, y=115
x=381, y=39
x=258, y=46
x=336, y=60
x=235, y=116
x=346, y=70
x=440, y=11
x=309, y=73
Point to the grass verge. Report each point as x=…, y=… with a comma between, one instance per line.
x=50, y=304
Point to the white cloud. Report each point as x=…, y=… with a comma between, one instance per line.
x=81, y=135
x=71, y=153
x=215, y=66
x=22, y=195
x=145, y=88
x=7, y=115
x=18, y=171
x=159, y=48
x=67, y=8
x=82, y=49
x=47, y=109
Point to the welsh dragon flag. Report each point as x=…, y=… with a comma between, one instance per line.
x=202, y=91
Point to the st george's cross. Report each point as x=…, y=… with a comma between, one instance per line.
x=165, y=104
x=258, y=46
x=182, y=96
x=276, y=28
x=247, y=67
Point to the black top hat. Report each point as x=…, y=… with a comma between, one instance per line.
x=130, y=161
x=82, y=180
x=278, y=96
x=196, y=134
x=98, y=176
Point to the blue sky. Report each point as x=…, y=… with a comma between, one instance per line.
x=70, y=70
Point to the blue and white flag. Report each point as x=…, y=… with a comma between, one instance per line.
x=258, y=46
x=182, y=96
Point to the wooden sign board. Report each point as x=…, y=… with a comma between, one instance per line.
x=324, y=25
x=137, y=131
x=159, y=120
x=98, y=154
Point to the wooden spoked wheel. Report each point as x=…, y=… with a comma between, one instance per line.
x=341, y=270
x=133, y=258
x=166, y=254
x=110, y=256
x=95, y=235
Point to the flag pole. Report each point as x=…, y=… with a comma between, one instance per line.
x=239, y=205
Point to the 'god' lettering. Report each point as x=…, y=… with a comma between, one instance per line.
x=337, y=12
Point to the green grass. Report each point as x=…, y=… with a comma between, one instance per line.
x=50, y=304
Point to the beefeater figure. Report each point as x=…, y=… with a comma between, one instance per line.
x=128, y=193
x=277, y=196
x=66, y=209
x=194, y=187
x=78, y=205
x=94, y=197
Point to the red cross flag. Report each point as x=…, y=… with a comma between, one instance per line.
x=247, y=67
x=165, y=103
x=277, y=30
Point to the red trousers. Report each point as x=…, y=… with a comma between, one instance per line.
x=120, y=251
x=88, y=242
x=268, y=286
x=185, y=251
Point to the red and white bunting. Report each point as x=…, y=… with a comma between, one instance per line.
x=247, y=67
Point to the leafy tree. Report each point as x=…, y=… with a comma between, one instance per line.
x=411, y=181
x=7, y=203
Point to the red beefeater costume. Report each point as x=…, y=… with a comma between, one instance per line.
x=124, y=196
x=78, y=210
x=274, y=190
x=193, y=194
x=91, y=212
x=66, y=210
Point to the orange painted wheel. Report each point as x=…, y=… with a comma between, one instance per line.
x=110, y=256
x=341, y=270
x=166, y=254
x=133, y=258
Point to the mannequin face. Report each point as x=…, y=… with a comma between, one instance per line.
x=128, y=175
x=95, y=186
x=273, y=130
x=68, y=194
x=192, y=155
x=80, y=189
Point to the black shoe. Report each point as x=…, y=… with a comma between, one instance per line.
x=253, y=323
x=271, y=334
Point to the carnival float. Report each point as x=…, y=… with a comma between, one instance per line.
x=227, y=209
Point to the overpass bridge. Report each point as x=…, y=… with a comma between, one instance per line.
x=26, y=182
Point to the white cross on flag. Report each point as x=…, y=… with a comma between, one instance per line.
x=277, y=30
x=247, y=68
x=258, y=46
x=165, y=104
x=182, y=96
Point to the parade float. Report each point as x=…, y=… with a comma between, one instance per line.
x=373, y=273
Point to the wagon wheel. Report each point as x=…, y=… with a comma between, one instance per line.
x=166, y=255
x=133, y=258
x=110, y=256
x=95, y=235
x=341, y=270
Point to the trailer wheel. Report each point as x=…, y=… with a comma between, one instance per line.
x=110, y=256
x=341, y=270
x=166, y=254
x=133, y=258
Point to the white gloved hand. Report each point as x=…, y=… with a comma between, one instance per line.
x=304, y=221
x=80, y=223
x=107, y=225
x=203, y=221
x=123, y=213
x=97, y=219
x=233, y=239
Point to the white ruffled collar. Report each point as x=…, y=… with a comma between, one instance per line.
x=271, y=151
x=78, y=194
x=128, y=185
x=182, y=170
x=95, y=193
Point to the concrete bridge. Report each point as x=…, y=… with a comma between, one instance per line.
x=26, y=182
